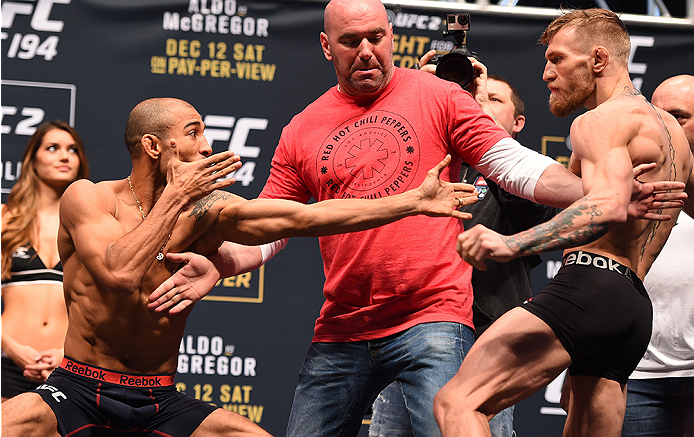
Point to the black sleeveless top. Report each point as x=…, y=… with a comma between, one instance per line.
x=27, y=268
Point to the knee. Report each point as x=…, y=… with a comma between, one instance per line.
x=27, y=414
x=456, y=414
x=441, y=404
x=459, y=397
x=448, y=401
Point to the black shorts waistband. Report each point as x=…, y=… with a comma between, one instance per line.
x=601, y=262
x=125, y=379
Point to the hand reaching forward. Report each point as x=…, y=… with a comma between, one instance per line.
x=648, y=199
x=440, y=198
x=196, y=179
x=188, y=285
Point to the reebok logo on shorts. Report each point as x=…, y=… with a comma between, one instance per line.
x=142, y=381
x=87, y=371
x=582, y=258
x=104, y=375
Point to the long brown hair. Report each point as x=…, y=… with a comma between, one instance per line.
x=23, y=201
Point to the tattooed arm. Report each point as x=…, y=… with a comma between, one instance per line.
x=606, y=170
x=579, y=224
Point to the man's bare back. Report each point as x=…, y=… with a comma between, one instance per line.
x=651, y=136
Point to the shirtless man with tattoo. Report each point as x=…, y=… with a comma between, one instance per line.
x=595, y=317
x=120, y=357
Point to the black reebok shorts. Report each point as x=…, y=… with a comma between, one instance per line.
x=92, y=401
x=601, y=313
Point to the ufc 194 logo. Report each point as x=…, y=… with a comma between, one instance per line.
x=31, y=45
x=235, y=133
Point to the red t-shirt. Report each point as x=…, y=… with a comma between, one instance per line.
x=385, y=280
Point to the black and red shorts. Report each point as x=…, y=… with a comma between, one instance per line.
x=92, y=401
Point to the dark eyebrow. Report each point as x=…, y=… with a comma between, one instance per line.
x=53, y=143
x=196, y=123
x=679, y=112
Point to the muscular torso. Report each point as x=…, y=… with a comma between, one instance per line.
x=115, y=329
x=656, y=138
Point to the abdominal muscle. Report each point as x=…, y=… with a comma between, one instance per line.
x=116, y=331
x=35, y=315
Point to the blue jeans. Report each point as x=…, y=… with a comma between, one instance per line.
x=339, y=381
x=659, y=407
x=391, y=419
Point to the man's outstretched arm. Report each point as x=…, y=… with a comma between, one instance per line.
x=199, y=274
x=260, y=221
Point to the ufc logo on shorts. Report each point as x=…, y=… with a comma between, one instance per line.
x=57, y=394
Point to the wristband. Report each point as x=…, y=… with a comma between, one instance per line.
x=268, y=250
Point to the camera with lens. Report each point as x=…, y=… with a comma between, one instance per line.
x=455, y=66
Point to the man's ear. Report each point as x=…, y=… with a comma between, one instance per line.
x=151, y=145
x=325, y=44
x=518, y=125
x=601, y=57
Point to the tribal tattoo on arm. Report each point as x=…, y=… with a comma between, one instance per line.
x=203, y=205
x=561, y=232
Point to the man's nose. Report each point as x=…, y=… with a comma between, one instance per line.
x=205, y=148
x=548, y=74
x=365, y=49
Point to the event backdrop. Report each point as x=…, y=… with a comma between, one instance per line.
x=248, y=67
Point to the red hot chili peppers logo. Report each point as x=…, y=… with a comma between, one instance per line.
x=370, y=156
